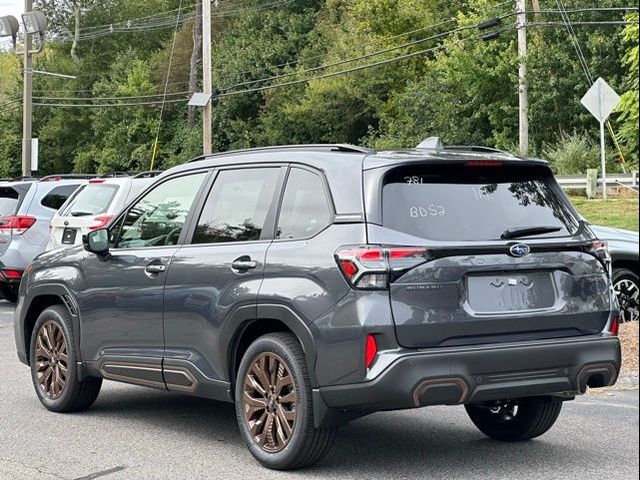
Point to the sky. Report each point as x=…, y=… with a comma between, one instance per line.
x=11, y=7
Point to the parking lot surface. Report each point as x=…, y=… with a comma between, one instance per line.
x=137, y=433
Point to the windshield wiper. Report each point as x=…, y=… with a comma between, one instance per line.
x=527, y=231
x=80, y=213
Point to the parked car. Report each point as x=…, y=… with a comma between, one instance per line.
x=623, y=248
x=26, y=207
x=93, y=205
x=315, y=284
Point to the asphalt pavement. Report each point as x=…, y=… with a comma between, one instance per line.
x=138, y=433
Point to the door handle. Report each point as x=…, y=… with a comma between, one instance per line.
x=243, y=264
x=155, y=268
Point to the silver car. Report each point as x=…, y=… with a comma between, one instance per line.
x=26, y=208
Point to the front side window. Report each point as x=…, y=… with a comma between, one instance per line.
x=305, y=207
x=56, y=197
x=237, y=206
x=157, y=218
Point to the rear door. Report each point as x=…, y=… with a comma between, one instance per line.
x=504, y=256
x=218, y=273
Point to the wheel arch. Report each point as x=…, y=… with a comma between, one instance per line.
x=627, y=263
x=39, y=298
x=247, y=328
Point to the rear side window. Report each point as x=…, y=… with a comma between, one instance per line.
x=305, y=207
x=237, y=206
x=91, y=199
x=56, y=197
x=463, y=203
x=9, y=200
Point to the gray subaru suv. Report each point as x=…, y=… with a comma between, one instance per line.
x=315, y=284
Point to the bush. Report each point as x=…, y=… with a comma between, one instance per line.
x=574, y=154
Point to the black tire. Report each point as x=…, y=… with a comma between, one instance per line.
x=74, y=395
x=307, y=444
x=533, y=417
x=626, y=284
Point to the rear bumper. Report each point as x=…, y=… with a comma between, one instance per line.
x=477, y=374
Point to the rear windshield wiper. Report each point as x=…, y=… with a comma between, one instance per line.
x=80, y=213
x=526, y=231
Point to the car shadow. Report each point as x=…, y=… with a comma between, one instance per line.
x=438, y=442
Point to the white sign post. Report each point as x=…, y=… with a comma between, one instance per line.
x=601, y=100
x=34, y=154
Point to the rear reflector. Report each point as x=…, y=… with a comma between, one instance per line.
x=615, y=326
x=101, y=222
x=370, y=350
x=16, y=224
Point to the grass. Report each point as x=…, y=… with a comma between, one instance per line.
x=618, y=212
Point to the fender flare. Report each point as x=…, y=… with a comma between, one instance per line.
x=247, y=315
x=66, y=298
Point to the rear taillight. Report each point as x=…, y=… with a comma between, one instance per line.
x=370, y=350
x=16, y=224
x=372, y=267
x=10, y=274
x=101, y=222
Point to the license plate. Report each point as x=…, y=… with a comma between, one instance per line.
x=511, y=293
x=69, y=236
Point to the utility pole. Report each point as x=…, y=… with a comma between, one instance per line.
x=27, y=93
x=523, y=95
x=196, y=58
x=206, y=75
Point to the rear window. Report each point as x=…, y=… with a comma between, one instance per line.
x=465, y=203
x=9, y=200
x=56, y=197
x=91, y=199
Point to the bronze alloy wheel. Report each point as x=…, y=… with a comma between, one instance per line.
x=51, y=360
x=269, y=402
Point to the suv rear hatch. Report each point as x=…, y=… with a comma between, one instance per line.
x=11, y=197
x=85, y=210
x=502, y=254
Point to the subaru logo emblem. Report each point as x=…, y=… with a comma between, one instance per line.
x=519, y=250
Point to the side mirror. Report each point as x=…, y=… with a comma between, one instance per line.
x=97, y=241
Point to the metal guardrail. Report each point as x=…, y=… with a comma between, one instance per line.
x=629, y=180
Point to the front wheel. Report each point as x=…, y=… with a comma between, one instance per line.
x=53, y=359
x=625, y=283
x=515, y=420
x=274, y=406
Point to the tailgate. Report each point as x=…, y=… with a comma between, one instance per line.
x=473, y=299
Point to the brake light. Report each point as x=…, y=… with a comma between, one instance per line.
x=370, y=350
x=11, y=274
x=371, y=267
x=97, y=180
x=102, y=221
x=615, y=326
x=483, y=163
x=16, y=224
x=600, y=249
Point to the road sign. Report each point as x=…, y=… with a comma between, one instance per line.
x=34, y=154
x=601, y=100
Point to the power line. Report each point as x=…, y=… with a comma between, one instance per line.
x=97, y=105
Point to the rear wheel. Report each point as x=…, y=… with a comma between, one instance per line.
x=53, y=360
x=274, y=406
x=515, y=420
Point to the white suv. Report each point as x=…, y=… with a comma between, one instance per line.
x=92, y=206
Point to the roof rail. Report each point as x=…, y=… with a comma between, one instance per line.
x=331, y=147
x=478, y=148
x=149, y=174
x=22, y=178
x=66, y=176
x=114, y=175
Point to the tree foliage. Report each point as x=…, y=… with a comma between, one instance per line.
x=459, y=87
